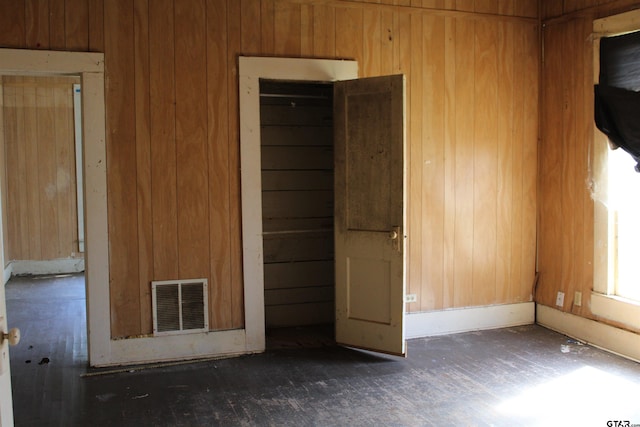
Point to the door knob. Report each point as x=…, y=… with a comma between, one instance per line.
x=394, y=235
x=13, y=336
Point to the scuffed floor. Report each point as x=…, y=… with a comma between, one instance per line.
x=514, y=376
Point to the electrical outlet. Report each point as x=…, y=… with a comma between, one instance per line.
x=577, y=299
x=411, y=298
x=560, y=299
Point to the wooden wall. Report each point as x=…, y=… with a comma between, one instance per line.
x=566, y=230
x=39, y=149
x=172, y=125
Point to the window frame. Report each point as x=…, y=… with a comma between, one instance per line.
x=604, y=302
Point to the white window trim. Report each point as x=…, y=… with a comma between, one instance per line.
x=604, y=303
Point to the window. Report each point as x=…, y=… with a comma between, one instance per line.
x=616, y=287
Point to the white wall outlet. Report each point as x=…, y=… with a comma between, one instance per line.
x=560, y=299
x=411, y=298
x=577, y=299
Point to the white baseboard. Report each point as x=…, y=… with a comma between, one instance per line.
x=468, y=319
x=8, y=271
x=175, y=348
x=54, y=266
x=601, y=335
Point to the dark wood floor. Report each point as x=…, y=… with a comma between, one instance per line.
x=514, y=376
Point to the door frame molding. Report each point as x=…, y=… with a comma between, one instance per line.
x=90, y=67
x=251, y=70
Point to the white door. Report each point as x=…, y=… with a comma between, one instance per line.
x=369, y=213
x=6, y=402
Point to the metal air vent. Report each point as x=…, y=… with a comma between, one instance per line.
x=179, y=306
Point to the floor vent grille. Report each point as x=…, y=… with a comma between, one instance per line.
x=179, y=306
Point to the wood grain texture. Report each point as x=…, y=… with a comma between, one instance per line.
x=121, y=174
x=191, y=142
x=143, y=161
x=173, y=132
x=219, y=174
x=76, y=25
x=12, y=24
x=163, y=136
x=567, y=209
x=234, y=16
x=37, y=24
x=40, y=178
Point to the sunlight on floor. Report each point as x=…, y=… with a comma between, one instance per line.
x=586, y=396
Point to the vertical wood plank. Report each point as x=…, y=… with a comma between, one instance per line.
x=432, y=160
x=77, y=25
x=96, y=25
x=121, y=174
x=65, y=162
x=550, y=260
x=191, y=139
x=21, y=175
x=47, y=170
x=251, y=27
x=464, y=171
x=550, y=8
x=12, y=23
x=287, y=29
x=486, y=6
x=234, y=42
x=32, y=184
x=388, y=34
x=57, y=28
x=520, y=94
x=220, y=303
x=306, y=30
x=506, y=7
x=579, y=157
x=527, y=8
x=506, y=143
x=143, y=161
x=349, y=32
x=37, y=24
x=567, y=189
x=485, y=164
x=372, y=27
x=267, y=19
x=415, y=279
x=324, y=31
x=465, y=5
x=450, y=141
x=10, y=110
x=163, y=136
x=587, y=134
x=530, y=165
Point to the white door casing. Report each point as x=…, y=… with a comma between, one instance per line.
x=251, y=70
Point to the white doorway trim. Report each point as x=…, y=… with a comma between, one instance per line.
x=251, y=70
x=90, y=68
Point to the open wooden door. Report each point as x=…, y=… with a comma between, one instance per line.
x=369, y=213
x=6, y=402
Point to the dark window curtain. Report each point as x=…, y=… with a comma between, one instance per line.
x=617, y=100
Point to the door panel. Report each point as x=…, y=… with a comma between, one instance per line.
x=6, y=403
x=369, y=213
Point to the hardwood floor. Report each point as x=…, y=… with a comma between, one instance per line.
x=515, y=376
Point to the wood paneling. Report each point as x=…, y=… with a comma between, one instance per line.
x=566, y=206
x=40, y=168
x=173, y=132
